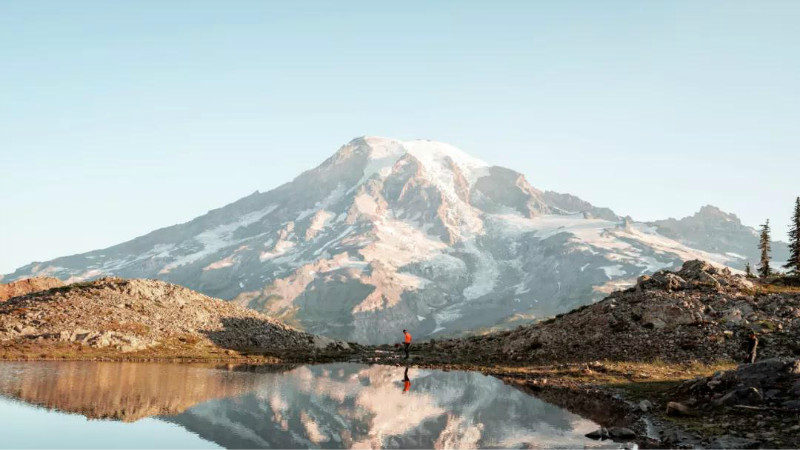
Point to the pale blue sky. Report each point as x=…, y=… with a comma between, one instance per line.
x=117, y=118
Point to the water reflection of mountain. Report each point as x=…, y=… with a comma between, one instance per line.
x=346, y=405
x=120, y=391
x=327, y=406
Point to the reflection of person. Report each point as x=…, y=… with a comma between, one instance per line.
x=406, y=381
x=406, y=342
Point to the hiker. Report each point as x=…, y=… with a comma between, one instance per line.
x=406, y=342
x=752, y=346
x=406, y=381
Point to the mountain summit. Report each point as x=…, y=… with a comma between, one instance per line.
x=388, y=234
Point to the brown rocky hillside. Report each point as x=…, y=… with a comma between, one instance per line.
x=696, y=313
x=26, y=286
x=111, y=316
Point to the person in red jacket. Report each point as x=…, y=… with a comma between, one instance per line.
x=406, y=342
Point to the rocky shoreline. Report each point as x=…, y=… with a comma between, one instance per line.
x=648, y=404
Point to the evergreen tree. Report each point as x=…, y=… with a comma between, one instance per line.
x=764, y=245
x=794, y=241
x=747, y=271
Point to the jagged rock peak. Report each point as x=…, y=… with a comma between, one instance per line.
x=694, y=274
x=713, y=212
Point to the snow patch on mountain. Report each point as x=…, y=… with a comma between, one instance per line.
x=484, y=276
x=217, y=238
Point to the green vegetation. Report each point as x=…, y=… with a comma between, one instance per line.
x=794, y=242
x=764, y=270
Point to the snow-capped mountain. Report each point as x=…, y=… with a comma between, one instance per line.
x=389, y=234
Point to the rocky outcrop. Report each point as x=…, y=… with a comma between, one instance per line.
x=772, y=384
x=26, y=286
x=128, y=316
x=699, y=312
x=752, y=406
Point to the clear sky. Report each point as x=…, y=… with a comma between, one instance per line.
x=117, y=118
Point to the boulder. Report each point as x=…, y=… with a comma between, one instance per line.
x=600, y=433
x=660, y=315
x=743, y=396
x=621, y=433
x=668, y=280
x=679, y=409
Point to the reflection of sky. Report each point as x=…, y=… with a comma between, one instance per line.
x=26, y=426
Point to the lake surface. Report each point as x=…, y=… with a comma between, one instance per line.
x=141, y=405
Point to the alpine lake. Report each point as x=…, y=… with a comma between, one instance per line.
x=341, y=405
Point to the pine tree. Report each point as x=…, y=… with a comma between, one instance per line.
x=794, y=241
x=747, y=271
x=764, y=245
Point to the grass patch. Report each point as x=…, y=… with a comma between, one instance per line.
x=777, y=289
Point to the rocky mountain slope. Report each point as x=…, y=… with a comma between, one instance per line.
x=696, y=313
x=388, y=234
x=113, y=315
x=27, y=286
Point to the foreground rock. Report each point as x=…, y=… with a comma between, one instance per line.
x=113, y=316
x=27, y=286
x=699, y=313
x=756, y=405
x=771, y=384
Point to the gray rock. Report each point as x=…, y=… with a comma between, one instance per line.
x=600, y=433
x=621, y=433
x=743, y=396
x=668, y=280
